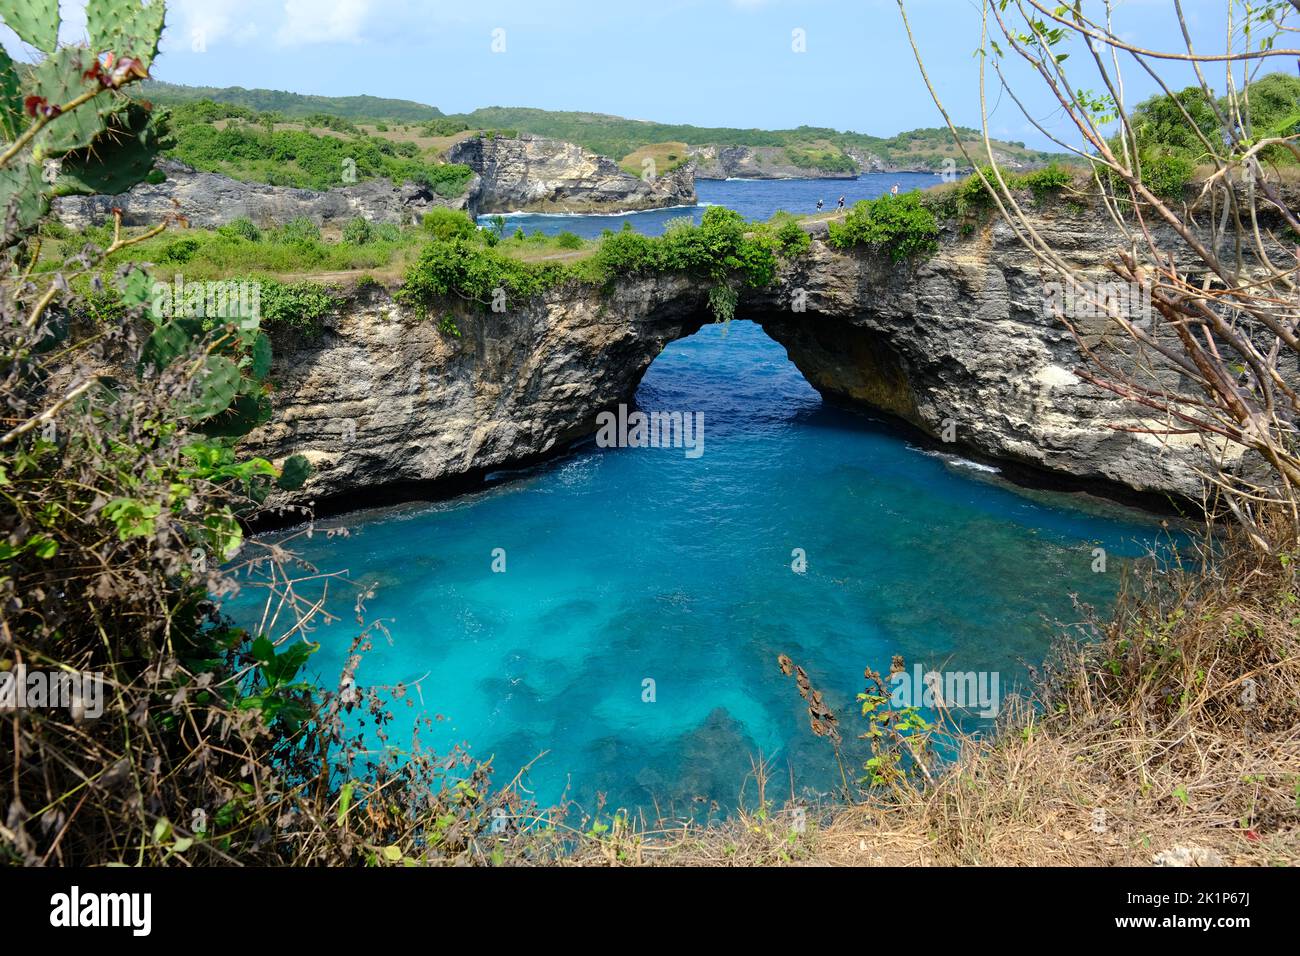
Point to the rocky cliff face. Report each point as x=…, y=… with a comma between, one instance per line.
x=533, y=174
x=209, y=200
x=958, y=345
x=871, y=163
x=755, y=162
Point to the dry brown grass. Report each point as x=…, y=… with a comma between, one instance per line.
x=666, y=157
x=432, y=146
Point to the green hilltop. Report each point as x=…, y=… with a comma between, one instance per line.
x=292, y=105
x=616, y=136
x=613, y=136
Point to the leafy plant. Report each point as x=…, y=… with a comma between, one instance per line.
x=794, y=242
x=448, y=224
x=297, y=305
x=358, y=232
x=241, y=228
x=900, y=225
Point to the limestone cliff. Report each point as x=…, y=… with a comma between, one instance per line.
x=756, y=162
x=870, y=162
x=957, y=343
x=209, y=200
x=533, y=174
x=773, y=162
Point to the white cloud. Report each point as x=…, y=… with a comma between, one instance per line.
x=293, y=23
x=210, y=22
x=322, y=21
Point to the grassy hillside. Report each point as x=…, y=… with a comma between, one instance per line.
x=293, y=105
x=622, y=139
x=313, y=154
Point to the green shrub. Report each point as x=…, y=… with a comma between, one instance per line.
x=568, y=240
x=626, y=252
x=460, y=268
x=243, y=228
x=1167, y=176
x=793, y=241
x=444, y=127
x=297, y=305
x=1046, y=181
x=358, y=232
x=900, y=225
x=180, y=250
x=448, y=224
x=723, y=246
x=301, y=230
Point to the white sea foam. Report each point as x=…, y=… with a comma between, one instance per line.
x=957, y=460
x=583, y=215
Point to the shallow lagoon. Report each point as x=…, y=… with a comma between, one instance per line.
x=635, y=564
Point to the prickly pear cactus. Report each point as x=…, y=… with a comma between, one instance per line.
x=218, y=384
x=11, y=99
x=66, y=127
x=35, y=21
x=127, y=26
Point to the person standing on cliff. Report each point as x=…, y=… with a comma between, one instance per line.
x=894, y=191
x=820, y=203
x=840, y=204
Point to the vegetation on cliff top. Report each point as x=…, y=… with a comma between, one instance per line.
x=723, y=250
x=249, y=146
x=292, y=105
x=1270, y=107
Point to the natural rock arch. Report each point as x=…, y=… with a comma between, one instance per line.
x=957, y=343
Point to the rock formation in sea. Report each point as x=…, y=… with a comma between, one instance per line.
x=534, y=174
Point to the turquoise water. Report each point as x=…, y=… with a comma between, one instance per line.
x=756, y=200
x=627, y=564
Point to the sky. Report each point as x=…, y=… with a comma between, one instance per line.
x=770, y=64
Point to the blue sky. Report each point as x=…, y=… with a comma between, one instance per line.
x=707, y=62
